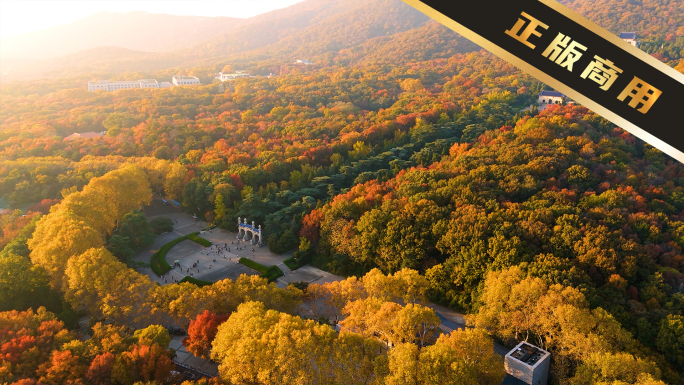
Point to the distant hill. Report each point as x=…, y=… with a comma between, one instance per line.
x=306, y=29
x=431, y=41
x=310, y=28
x=106, y=60
x=325, y=32
x=646, y=17
x=140, y=31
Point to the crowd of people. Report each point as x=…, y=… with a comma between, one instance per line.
x=218, y=250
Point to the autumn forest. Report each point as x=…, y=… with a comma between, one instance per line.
x=406, y=160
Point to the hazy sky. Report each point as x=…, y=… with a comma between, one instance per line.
x=21, y=16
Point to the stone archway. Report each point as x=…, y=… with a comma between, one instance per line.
x=249, y=232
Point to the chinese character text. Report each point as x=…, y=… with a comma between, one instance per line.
x=531, y=29
x=640, y=92
x=564, y=51
x=602, y=71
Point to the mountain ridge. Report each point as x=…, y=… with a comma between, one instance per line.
x=325, y=31
x=127, y=30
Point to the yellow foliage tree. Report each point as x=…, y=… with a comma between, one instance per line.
x=339, y=293
x=357, y=360
x=84, y=218
x=410, y=285
x=360, y=316
x=315, y=294
x=262, y=346
x=106, y=287
x=183, y=302
x=618, y=368
x=59, y=236
x=412, y=85
x=175, y=174
x=391, y=322
x=403, y=365
x=414, y=323
x=127, y=188
x=558, y=318
x=378, y=285
x=463, y=357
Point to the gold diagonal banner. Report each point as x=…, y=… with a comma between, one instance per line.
x=578, y=58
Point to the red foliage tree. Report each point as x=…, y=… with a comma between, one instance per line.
x=407, y=120
x=237, y=181
x=63, y=368
x=43, y=207
x=100, y=370
x=26, y=340
x=12, y=350
x=148, y=363
x=11, y=224
x=633, y=293
x=310, y=226
x=202, y=331
x=25, y=381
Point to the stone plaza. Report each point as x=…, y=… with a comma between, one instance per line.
x=197, y=261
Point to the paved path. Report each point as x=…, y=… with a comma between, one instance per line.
x=215, y=265
x=205, y=263
x=183, y=225
x=307, y=274
x=450, y=314
x=283, y=267
x=186, y=358
x=311, y=274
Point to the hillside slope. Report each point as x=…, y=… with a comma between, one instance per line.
x=330, y=32
x=306, y=29
x=646, y=17
x=431, y=41
x=140, y=31
x=325, y=26
x=102, y=60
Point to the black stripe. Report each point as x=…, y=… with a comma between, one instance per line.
x=490, y=18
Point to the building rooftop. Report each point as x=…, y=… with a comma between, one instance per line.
x=527, y=354
x=184, y=77
x=84, y=135
x=551, y=93
x=627, y=35
x=122, y=81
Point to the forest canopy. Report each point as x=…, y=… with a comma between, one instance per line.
x=404, y=159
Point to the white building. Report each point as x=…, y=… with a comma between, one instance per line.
x=304, y=62
x=550, y=97
x=185, y=80
x=629, y=37
x=230, y=77
x=149, y=83
x=528, y=364
x=85, y=135
x=106, y=85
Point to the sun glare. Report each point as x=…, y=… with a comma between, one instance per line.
x=22, y=16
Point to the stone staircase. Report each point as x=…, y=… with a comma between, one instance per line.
x=282, y=266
